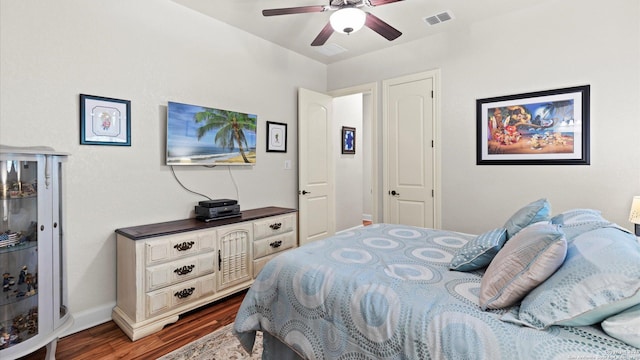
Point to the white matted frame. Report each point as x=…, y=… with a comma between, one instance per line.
x=104, y=121
x=276, y=137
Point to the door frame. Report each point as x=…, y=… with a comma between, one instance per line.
x=371, y=89
x=437, y=146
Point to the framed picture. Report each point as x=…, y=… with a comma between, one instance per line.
x=276, y=137
x=104, y=121
x=538, y=128
x=348, y=140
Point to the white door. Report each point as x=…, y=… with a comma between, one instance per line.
x=315, y=165
x=409, y=112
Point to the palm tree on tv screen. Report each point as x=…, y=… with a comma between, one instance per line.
x=230, y=128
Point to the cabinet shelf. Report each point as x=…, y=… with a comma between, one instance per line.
x=20, y=197
x=21, y=246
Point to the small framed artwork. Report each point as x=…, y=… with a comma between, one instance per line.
x=348, y=140
x=538, y=128
x=104, y=121
x=276, y=137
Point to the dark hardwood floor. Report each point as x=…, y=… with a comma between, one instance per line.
x=107, y=341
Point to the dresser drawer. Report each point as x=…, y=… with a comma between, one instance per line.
x=273, y=226
x=260, y=263
x=163, y=275
x=177, y=246
x=273, y=244
x=165, y=299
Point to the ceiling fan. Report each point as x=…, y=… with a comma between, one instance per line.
x=347, y=18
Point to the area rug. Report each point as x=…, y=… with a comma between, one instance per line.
x=219, y=345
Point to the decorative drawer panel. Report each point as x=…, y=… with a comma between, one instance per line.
x=163, y=275
x=173, y=247
x=273, y=244
x=170, y=297
x=273, y=226
x=234, y=255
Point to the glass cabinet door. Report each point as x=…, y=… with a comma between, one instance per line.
x=18, y=251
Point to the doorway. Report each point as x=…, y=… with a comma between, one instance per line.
x=369, y=154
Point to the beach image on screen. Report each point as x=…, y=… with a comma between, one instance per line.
x=198, y=135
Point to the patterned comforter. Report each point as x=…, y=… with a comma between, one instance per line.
x=385, y=292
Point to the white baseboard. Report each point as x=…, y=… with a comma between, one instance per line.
x=89, y=318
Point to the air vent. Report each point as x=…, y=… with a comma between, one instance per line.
x=439, y=18
x=330, y=49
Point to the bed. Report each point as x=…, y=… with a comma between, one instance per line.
x=400, y=292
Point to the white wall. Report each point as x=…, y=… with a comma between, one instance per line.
x=347, y=111
x=149, y=52
x=554, y=44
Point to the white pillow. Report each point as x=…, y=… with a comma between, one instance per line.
x=525, y=261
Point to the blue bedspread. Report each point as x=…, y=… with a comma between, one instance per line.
x=385, y=292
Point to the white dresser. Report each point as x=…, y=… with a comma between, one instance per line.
x=169, y=268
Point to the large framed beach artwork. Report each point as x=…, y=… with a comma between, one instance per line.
x=538, y=128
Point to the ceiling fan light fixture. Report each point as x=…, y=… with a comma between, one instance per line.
x=348, y=20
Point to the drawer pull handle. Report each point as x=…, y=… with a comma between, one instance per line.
x=184, y=270
x=276, y=244
x=275, y=226
x=184, y=246
x=184, y=293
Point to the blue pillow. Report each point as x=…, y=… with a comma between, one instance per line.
x=539, y=210
x=599, y=278
x=578, y=221
x=479, y=252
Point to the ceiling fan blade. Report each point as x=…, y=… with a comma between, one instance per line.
x=387, y=31
x=293, y=10
x=324, y=35
x=382, y=2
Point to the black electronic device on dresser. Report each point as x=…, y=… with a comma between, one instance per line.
x=208, y=210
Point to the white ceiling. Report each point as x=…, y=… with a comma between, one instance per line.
x=297, y=31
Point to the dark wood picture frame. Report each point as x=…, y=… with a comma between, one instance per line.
x=537, y=128
x=348, y=140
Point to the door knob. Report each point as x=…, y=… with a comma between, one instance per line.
x=305, y=192
x=394, y=193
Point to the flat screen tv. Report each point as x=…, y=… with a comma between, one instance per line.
x=198, y=135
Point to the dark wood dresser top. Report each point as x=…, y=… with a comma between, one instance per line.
x=178, y=226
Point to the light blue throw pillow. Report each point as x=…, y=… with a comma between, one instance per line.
x=599, y=278
x=578, y=221
x=539, y=210
x=479, y=252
